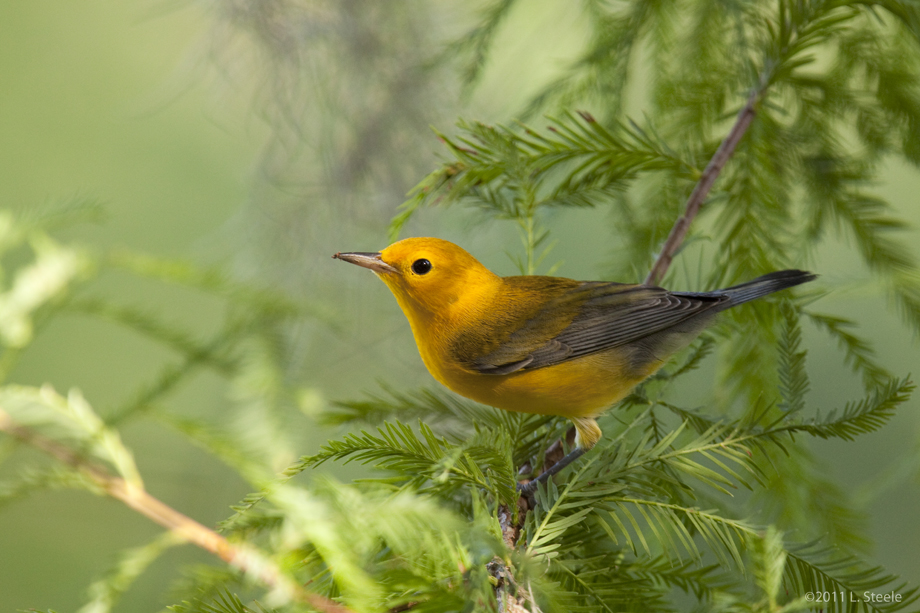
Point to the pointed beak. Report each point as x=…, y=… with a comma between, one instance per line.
x=368, y=260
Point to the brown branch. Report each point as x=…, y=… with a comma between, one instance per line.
x=707, y=179
x=243, y=558
x=510, y=596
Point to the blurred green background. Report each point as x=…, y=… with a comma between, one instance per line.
x=205, y=136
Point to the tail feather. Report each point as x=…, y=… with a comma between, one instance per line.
x=756, y=288
x=767, y=284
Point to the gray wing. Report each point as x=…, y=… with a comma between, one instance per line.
x=602, y=316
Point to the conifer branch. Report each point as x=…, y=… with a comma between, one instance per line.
x=704, y=185
x=243, y=558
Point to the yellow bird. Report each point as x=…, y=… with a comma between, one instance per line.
x=544, y=345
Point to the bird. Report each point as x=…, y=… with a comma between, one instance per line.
x=542, y=344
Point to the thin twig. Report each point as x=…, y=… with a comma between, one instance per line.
x=707, y=179
x=245, y=559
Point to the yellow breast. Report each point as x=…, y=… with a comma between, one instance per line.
x=583, y=387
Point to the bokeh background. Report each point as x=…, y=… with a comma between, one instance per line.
x=263, y=137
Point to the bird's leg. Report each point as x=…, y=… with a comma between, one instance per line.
x=527, y=490
x=588, y=433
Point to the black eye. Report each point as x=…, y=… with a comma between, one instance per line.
x=421, y=267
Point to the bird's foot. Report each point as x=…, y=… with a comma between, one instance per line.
x=529, y=488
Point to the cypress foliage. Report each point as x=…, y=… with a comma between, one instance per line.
x=678, y=508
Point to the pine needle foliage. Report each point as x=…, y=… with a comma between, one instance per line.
x=716, y=508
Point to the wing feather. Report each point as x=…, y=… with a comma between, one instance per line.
x=602, y=316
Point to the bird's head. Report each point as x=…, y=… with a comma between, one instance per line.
x=427, y=275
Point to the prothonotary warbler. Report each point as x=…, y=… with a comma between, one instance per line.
x=544, y=345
